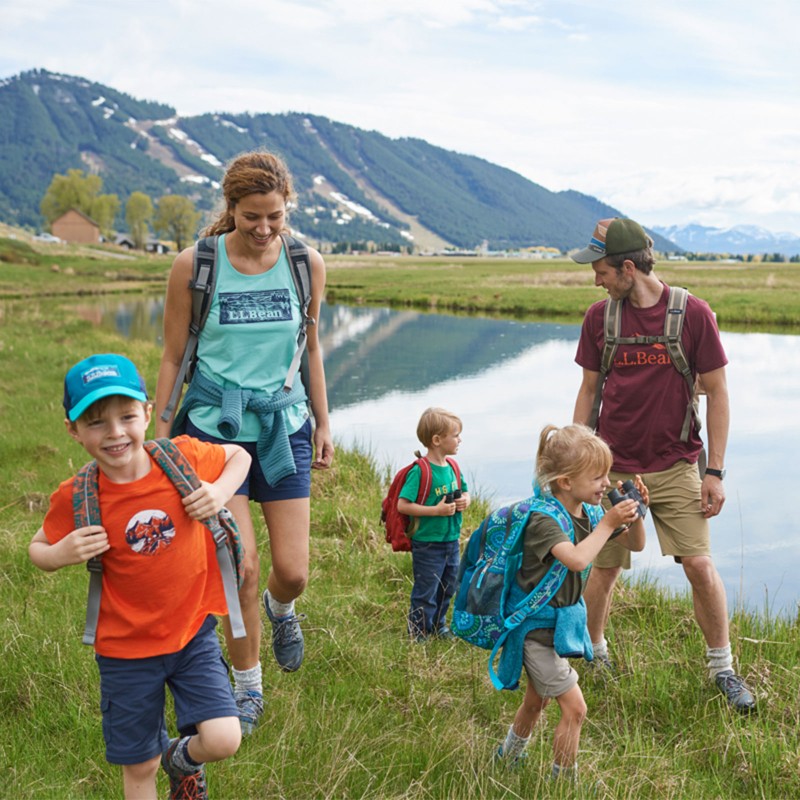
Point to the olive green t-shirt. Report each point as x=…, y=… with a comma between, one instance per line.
x=541, y=534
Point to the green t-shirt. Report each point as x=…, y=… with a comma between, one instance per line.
x=443, y=480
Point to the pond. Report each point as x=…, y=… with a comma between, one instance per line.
x=507, y=379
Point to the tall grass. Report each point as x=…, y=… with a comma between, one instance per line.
x=369, y=715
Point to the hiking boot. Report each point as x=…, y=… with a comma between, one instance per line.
x=287, y=638
x=183, y=785
x=251, y=707
x=509, y=763
x=736, y=692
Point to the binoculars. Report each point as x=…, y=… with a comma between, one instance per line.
x=628, y=492
x=451, y=497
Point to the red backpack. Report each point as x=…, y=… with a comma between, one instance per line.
x=398, y=525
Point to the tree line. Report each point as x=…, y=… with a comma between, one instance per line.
x=171, y=216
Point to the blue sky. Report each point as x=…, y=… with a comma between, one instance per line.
x=675, y=112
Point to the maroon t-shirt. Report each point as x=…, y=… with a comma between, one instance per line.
x=644, y=400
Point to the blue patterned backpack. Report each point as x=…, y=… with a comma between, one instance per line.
x=482, y=613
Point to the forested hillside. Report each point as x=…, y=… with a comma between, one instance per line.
x=353, y=185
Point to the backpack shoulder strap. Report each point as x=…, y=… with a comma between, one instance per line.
x=673, y=331
x=169, y=457
x=425, y=479
x=454, y=466
x=86, y=511
x=202, y=286
x=300, y=267
x=612, y=314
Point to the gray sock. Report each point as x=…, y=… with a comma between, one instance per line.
x=565, y=773
x=247, y=680
x=279, y=609
x=181, y=759
x=600, y=648
x=719, y=660
x=514, y=745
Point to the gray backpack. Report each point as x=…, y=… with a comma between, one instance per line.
x=671, y=339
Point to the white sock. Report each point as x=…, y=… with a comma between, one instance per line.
x=279, y=609
x=719, y=660
x=247, y=680
x=513, y=744
x=600, y=648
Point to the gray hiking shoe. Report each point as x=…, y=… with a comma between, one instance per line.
x=515, y=762
x=444, y=632
x=739, y=697
x=251, y=707
x=603, y=667
x=287, y=638
x=183, y=785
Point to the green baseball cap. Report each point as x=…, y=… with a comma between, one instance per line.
x=612, y=237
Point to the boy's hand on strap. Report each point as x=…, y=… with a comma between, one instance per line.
x=82, y=544
x=204, y=502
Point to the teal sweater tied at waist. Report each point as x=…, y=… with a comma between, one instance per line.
x=572, y=639
x=272, y=447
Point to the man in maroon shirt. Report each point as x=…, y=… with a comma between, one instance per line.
x=644, y=403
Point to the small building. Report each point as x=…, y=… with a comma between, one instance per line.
x=151, y=245
x=74, y=226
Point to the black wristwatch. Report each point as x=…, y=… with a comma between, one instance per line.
x=717, y=473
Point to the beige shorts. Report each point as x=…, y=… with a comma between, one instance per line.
x=675, y=508
x=550, y=674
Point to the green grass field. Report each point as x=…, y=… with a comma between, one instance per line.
x=369, y=715
x=763, y=297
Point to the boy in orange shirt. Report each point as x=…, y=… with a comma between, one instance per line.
x=161, y=583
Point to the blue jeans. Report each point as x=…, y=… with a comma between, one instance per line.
x=435, y=566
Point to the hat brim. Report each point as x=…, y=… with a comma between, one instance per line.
x=588, y=255
x=98, y=394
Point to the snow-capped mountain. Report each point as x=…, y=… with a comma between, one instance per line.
x=738, y=240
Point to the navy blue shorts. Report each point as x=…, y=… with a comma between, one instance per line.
x=132, y=696
x=255, y=485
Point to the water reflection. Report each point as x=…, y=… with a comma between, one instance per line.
x=507, y=379
x=134, y=318
x=505, y=401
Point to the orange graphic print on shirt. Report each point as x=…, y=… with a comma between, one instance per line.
x=148, y=531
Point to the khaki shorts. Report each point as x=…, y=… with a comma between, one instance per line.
x=675, y=508
x=550, y=674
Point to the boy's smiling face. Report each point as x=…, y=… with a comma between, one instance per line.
x=113, y=432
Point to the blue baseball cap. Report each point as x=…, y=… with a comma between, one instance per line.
x=101, y=376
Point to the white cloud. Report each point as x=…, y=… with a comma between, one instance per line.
x=670, y=112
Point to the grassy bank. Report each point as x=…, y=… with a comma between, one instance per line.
x=763, y=297
x=760, y=297
x=368, y=715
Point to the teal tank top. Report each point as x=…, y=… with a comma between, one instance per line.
x=249, y=340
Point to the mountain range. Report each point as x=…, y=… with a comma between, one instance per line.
x=739, y=240
x=352, y=185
